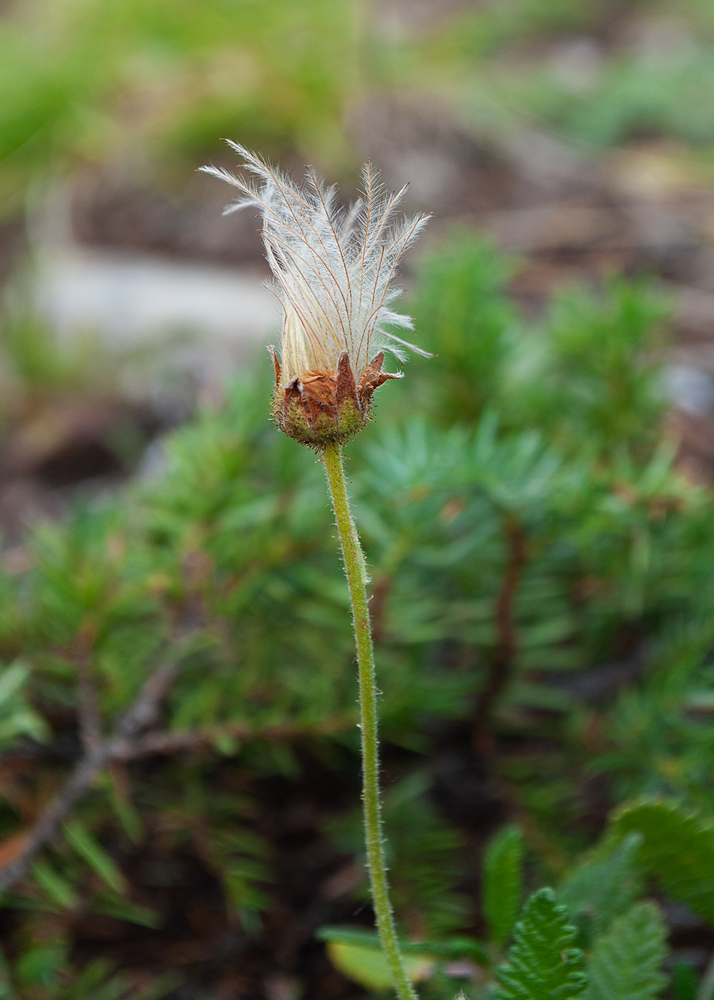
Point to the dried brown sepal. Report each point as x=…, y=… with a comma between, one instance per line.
x=319, y=408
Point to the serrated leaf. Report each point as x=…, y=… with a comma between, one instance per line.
x=626, y=962
x=368, y=966
x=542, y=965
x=502, y=882
x=677, y=849
x=604, y=887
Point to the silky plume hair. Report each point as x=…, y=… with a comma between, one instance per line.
x=333, y=269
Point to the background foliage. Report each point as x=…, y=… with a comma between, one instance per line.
x=541, y=560
x=519, y=541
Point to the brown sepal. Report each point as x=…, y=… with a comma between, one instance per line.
x=318, y=408
x=276, y=366
x=345, y=387
x=373, y=377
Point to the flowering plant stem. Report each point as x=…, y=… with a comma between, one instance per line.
x=356, y=572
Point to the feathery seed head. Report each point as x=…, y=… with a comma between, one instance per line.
x=333, y=269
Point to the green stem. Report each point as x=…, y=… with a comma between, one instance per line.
x=356, y=571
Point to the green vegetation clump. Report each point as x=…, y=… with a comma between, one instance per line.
x=543, y=602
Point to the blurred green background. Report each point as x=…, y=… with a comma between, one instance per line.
x=584, y=111
x=563, y=436
x=595, y=118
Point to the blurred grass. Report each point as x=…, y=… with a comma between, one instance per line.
x=645, y=95
x=158, y=83
x=648, y=75
x=84, y=80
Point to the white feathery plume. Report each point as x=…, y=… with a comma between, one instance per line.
x=333, y=266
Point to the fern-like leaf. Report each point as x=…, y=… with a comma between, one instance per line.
x=502, y=882
x=542, y=965
x=677, y=849
x=626, y=962
x=605, y=886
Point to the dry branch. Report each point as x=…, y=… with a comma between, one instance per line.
x=140, y=715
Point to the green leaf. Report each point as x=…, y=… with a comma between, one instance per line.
x=41, y=965
x=368, y=966
x=684, y=982
x=17, y=718
x=450, y=948
x=96, y=857
x=604, y=887
x=677, y=849
x=542, y=965
x=122, y=909
x=97, y=981
x=502, y=882
x=124, y=809
x=626, y=962
x=57, y=888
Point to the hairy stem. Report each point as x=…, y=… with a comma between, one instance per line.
x=356, y=572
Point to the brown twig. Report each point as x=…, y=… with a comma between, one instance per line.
x=504, y=652
x=126, y=744
x=140, y=715
x=90, y=725
x=90, y=719
x=165, y=742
